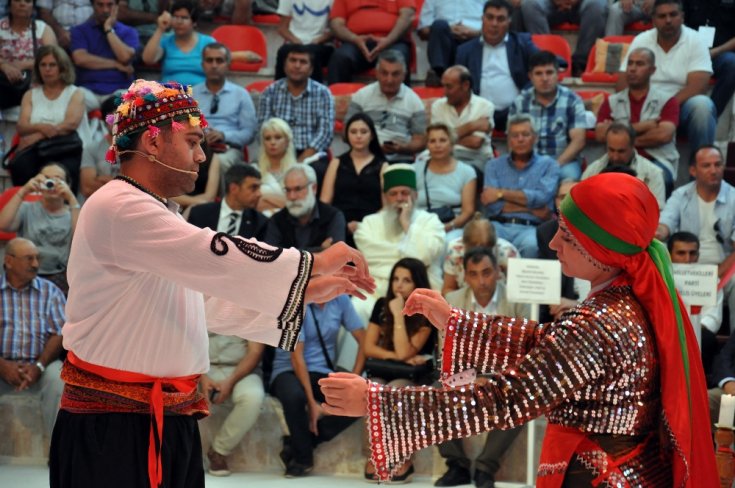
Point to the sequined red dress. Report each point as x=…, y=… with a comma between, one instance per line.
x=594, y=372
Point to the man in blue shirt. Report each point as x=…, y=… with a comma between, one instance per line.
x=305, y=105
x=295, y=380
x=446, y=25
x=227, y=107
x=103, y=50
x=519, y=187
x=557, y=112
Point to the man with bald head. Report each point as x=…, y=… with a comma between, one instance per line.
x=31, y=334
x=469, y=114
x=653, y=115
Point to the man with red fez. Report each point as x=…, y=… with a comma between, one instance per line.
x=136, y=331
x=618, y=376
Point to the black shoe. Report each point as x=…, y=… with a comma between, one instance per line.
x=404, y=478
x=484, y=480
x=455, y=476
x=297, y=470
x=286, y=454
x=433, y=79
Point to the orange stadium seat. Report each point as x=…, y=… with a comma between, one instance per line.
x=566, y=27
x=243, y=38
x=557, y=45
x=425, y=92
x=258, y=86
x=638, y=26
x=267, y=19
x=589, y=76
x=340, y=92
x=5, y=198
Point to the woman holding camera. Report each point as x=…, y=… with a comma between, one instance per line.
x=445, y=186
x=49, y=222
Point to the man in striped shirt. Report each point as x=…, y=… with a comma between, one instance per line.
x=31, y=316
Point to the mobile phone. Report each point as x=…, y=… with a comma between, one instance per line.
x=212, y=395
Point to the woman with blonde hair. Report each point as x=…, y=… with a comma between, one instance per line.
x=277, y=154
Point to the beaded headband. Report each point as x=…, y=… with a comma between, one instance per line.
x=148, y=105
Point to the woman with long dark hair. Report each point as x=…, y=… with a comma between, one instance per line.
x=352, y=181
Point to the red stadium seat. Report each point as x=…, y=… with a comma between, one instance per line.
x=638, y=26
x=5, y=198
x=557, y=45
x=589, y=76
x=258, y=86
x=566, y=27
x=341, y=90
x=243, y=38
x=425, y=92
x=267, y=19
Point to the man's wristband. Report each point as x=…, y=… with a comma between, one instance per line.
x=108, y=31
x=40, y=367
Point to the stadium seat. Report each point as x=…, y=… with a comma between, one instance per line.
x=258, y=86
x=243, y=38
x=589, y=95
x=340, y=91
x=425, y=92
x=557, y=45
x=638, y=26
x=5, y=198
x=267, y=19
x=566, y=27
x=589, y=76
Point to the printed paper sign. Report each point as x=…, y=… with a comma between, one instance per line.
x=534, y=281
x=697, y=283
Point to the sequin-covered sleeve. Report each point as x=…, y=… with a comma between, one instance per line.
x=487, y=343
x=547, y=367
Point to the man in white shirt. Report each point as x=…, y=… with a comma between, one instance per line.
x=619, y=141
x=483, y=293
x=135, y=328
x=683, y=70
x=470, y=115
x=305, y=22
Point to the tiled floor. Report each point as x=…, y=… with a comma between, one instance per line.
x=37, y=477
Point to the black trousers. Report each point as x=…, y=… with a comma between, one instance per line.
x=348, y=61
x=287, y=388
x=111, y=451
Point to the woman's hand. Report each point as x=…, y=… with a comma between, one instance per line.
x=416, y=360
x=13, y=74
x=429, y=303
x=396, y=305
x=164, y=21
x=345, y=394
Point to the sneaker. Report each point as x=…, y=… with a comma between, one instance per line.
x=484, y=480
x=455, y=476
x=297, y=470
x=217, y=464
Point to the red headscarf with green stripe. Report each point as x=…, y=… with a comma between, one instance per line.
x=614, y=217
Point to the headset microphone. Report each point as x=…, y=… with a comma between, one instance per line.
x=153, y=159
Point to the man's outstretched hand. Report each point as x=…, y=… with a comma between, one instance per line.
x=339, y=269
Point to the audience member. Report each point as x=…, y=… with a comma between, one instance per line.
x=234, y=380
x=557, y=112
x=470, y=115
x=239, y=12
x=445, y=186
x=305, y=223
x=706, y=208
x=52, y=111
x=683, y=70
x=545, y=232
x=236, y=213
x=519, y=187
x=227, y=107
x=103, y=50
x=720, y=15
x=591, y=15
x=498, y=60
x=652, y=115
x=276, y=156
x=305, y=22
x=20, y=36
x=33, y=313
x=624, y=12
x=62, y=15
x=446, y=25
x=295, y=381
x=143, y=15
x=723, y=376
x=483, y=293
x=365, y=29
x=94, y=170
x=178, y=51
x=307, y=106
x=398, y=113
x=619, y=140
x=352, y=181
x=399, y=338
x=48, y=222
x=399, y=230
x=684, y=249
x=478, y=232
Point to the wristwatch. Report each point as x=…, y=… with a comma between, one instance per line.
x=500, y=195
x=40, y=367
x=108, y=31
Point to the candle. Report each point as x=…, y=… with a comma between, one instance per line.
x=727, y=411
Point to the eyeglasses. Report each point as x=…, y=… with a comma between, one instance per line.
x=717, y=232
x=215, y=104
x=180, y=18
x=295, y=189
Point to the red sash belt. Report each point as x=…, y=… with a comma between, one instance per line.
x=136, y=393
x=561, y=443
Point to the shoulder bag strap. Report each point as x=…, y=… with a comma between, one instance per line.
x=321, y=338
x=426, y=185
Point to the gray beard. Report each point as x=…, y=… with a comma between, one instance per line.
x=302, y=207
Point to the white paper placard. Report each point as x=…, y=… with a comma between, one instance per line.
x=534, y=281
x=707, y=34
x=697, y=283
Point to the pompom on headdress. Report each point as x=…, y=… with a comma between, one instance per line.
x=148, y=106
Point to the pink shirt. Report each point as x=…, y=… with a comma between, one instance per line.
x=138, y=273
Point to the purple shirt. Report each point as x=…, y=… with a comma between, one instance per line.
x=91, y=37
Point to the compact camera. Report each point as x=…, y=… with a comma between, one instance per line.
x=49, y=184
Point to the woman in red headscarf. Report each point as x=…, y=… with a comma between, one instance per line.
x=618, y=377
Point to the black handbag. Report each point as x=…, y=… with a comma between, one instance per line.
x=445, y=213
x=59, y=146
x=389, y=370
